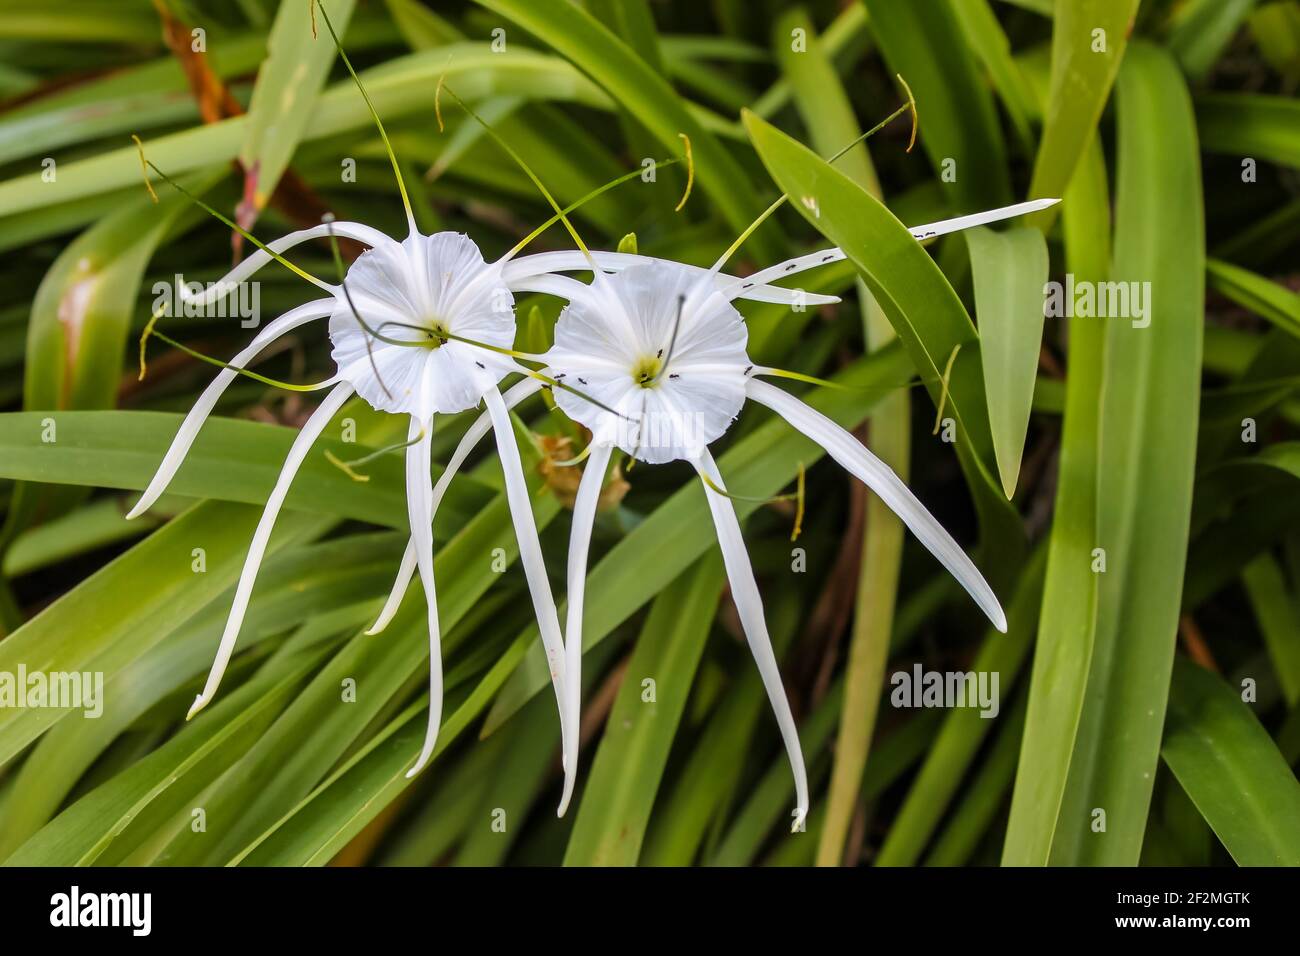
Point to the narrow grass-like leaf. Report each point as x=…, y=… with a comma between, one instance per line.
x=1267, y=299
x=232, y=460
x=121, y=611
x=981, y=29
x=924, y=310
x=398, y=88
x=1088, y=40
x=144, y=795
x=958, y=122
x=1203, y=29
x=708, y=781
x=1250, y=126
x=985, y=795
x=1148, y=449
x=97, y=524
x=1276, y=612
x=320, y=582
x=298, y=60
x=964, y=729
x=1276, y=29
x=1010, y=270
x=1232, y=770
x=1068, y=620
x=828, y=114
x=629, y=765
x=574, y=33
x=76, y=336
x=317, y=730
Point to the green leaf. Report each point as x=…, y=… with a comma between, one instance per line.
x=1148, y=449
x=629, y=765
x=81, y=316
x=145, y=795
x=1010, y=270
x=298, y=60
x=121, y=611
x=821, y=99
x=398, y=88
x=634, y=84
x=1250, y=125
x=231, y=460
x=1088, y=40
x=317, y=731
x=914, y=294
x=770, y=799
x=824, y=105
x=1068, y=620
x=1267, y=299
x=95, y=525
x=984, y=797
x=965, y=728
x=1279, y=621
x=1276, y=29
x=1232, y=770
x=982, y=31
x=845, y=41
x=321, y=583
x=80, y=21
x=1203, y=29
x=421, y=27
x=709, y=781
x=959, y=129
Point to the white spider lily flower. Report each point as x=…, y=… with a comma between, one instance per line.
x=435, y=303
x=650, y=345
x=661, y=344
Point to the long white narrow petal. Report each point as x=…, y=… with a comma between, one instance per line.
x=530, y=556
x=521, y=276
x=257, y=548
x=260, y=257
x=749, y=604
x=482, y=425
x=418, y=496
x=854, y=457
x=958, y=223
x=743, y=288
x=584, y=516
x=189, y=429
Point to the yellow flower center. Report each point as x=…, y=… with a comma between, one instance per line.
x=438, y=332
x=646, y=371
